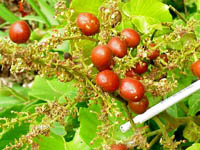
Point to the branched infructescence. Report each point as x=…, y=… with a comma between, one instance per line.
x=37, y=56
x=52, y=112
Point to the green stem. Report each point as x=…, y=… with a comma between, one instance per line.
x=152, y=36
x=160, y=124
x=177, y=13
x=155, y=139
x=153, y=133
x=39, y=12
x=78, y=37
x=185, y=8
x=19, y=120
x=130, y=117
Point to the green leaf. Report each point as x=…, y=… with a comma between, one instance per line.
x=7, y=112
x=91, y=6
x=39, y=12
x=192, y=131
x=51, y=142
x=197, y=32
x=152, y=99
x=88, y=124
x=195, y=146
x=37, y=34
x=48, y=11
x=144, y=14
x=194, y=103
x=176, y=111
x=178, y=45
x=6, y=101
x=33, y=18
x=51, y=89
x=86, y=46
x=12, y=96
x=13, y=133
x=7, y=15
x=144, y=23
x=58, y=129
x=152, y=8
x=77, y=143
x=64, y=47
x=3, y=34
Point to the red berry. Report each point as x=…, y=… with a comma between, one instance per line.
x=131, y=89
x=19, y=32
x=141, y=68
x=132, y=38
x=101, y=57
x=132, y=74
x=153, y=54
x=195, y=68
x=118, y=47
x=107, y=80
x=88, y=23
x=140, y=106
x=164, y=57
x=118, y=147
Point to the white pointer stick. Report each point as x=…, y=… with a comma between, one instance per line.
x=153, y=111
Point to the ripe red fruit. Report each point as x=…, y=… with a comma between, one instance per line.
x=131, y=89
x=118, y=147
x=88, y=23
x=107, y=80
x=101, y=57
x=132, y=74
x=195, y=68
x=132, y=38
x=140, y=106
x=141, y=68
x=118, y=47
x=164, y=57
x=19, y=32
x=153, y=54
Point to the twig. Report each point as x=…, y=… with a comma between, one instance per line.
x=19, y=120
x=177, y=13
x=160, y=124
x=152, y=36
x=153, y=133
x=78, y=37
x=185, y=8
x=155, y=139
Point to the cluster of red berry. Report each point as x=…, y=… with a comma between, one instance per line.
x=130, y=89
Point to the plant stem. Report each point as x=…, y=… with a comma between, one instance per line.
x=160, y=124
x=130, y=117
x=19, y=120
x=78, y=37
x=155, y=139
x=185, y=7
x=153, y=133
x=177, y=13
x=152, y=36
